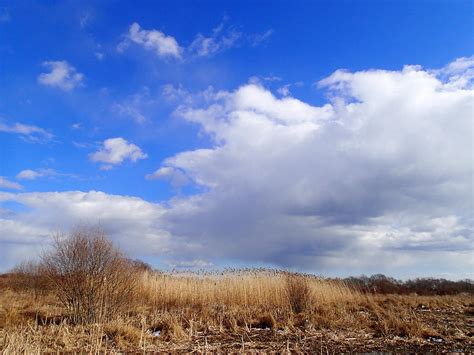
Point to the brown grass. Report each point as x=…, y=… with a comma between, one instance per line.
x=189, y=309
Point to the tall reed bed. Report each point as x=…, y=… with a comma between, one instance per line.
x=242, y=288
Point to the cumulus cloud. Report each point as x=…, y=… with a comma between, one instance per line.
x=27, y=132
x=7, y=184
x=62, y=75
x=381, y=170
x=379, y=179
x=115, y=151
x=154, y=40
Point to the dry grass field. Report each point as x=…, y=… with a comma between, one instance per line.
x=78, y=308
x=240, y=311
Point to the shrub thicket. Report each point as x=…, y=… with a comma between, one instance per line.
x=89, y=275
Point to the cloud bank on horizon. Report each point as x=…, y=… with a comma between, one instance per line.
x=204, y=143
x=378, y=177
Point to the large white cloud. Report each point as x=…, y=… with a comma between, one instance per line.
x=384, y=170
x=377, y=180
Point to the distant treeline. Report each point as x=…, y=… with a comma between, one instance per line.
x=422, y=286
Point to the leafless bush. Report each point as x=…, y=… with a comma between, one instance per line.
x=299, y=292
x=91, y=278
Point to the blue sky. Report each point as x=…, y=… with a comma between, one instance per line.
x=204, y=134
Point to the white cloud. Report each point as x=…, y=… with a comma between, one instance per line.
x=130, y=221
x=154, y=40
x=29, y=174
x=28, y=132
x=62, y=75
x=7, y=184
x=115, y=151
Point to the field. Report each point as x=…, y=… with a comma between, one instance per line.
x=239, y=311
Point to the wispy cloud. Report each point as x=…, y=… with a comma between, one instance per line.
x=27, y=132
x=62, y=75
x=133, y=105
x=85, y=18
x=258, y=38
x=7, y=184
x=33, y=174
x=222, y=37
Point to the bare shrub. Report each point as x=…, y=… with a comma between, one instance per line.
x=90, y=277
x=299, y=292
